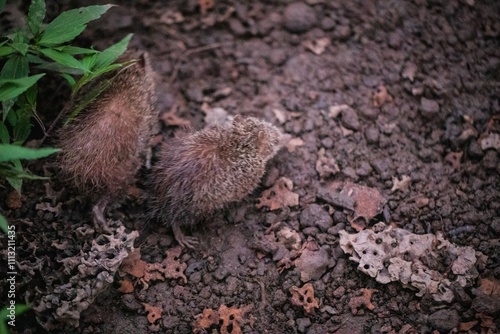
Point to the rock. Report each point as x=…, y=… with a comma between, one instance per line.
x=299, y=17
x=475, y=150
x=444, y=320
x=428, y=107
x=302, y=324
x=336, y=198
x=312, y=264
x=314, y=215
x=237, y=27
x=350, y=119
x=490, y=160
x=495, y=225
x=372, y=135
x=277, y=56
x=327, y=23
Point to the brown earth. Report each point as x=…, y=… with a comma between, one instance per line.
x=401, y=97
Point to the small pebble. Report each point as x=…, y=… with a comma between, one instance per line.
x=299, y=17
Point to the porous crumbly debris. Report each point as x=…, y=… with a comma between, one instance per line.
x=395, y=254
x=304, y=297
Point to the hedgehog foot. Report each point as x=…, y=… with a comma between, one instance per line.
x=182, y=239
x=100, y=221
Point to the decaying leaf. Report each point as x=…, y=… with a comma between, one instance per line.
x=409, y=71
x=317, y=46
x=14, y=200
x=454, y=159
x=290, y=238
x=402, y=184
x=304, y=297
x=334, y=111
x=170, y=267
x=293, y=144
x=154, y=312
x=279, y=196
x=491, y=140
x=467, y=326
x=490, y=287
x=170, y=17
x=171, y=119
x=230, y=320
x=326, y=165
x=126, y=286
x=364, y=300
x=368, y=202
x=133, y=264
x=381, y=96
x=205, y=5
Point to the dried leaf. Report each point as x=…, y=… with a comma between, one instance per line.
x=317, y=46
x=293, y=144
x=133, y=264
x=400, y=185
x=368, y=202
x=47, y=207
x=229, y=319
x=490, y=287
x=154, y=312
x=467, y=326
x=126, y=286
x=409, y=71
x=280, y=115
x=171, y=119
x=205, y=5
x=304, y=297
x=14, y=200
x=334, y=111
x=381, y=97
x=364, y=300
x=326, y=166
x=279, y=196
x=454, y=159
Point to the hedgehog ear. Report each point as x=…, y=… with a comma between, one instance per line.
x=261, y=139
x=237, y=118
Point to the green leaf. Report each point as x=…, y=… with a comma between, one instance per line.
x=2, y=5
x=63, y=59
x=108, y=56
x=12, y=88
x=30, y=95
x=36, y=14
x=6, y=50
x=88, y=98
x=69, y=78
x=74, y=50
x=12, y=152
x=22, y=48
x=56, y=67
x=14, y=175
x=70, y=24
x=4, y=226
x=23, y=127
x=16, y=67
x=4, y=134
x=7, y=106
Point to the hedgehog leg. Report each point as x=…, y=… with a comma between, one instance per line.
x=182, y=239
x=100, y=222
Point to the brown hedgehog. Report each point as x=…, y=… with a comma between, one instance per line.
x=206, y=170
x=101, y=147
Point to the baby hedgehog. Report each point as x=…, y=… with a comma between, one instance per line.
x=101, y=147
x=203, y=171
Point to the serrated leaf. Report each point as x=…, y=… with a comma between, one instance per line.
x=56, y=67
x=36, y=14
x=7, y=106
x=4, y=134
x=15, y=67
x=30, y=95
x=4, y=226
x=11, y=88
x=22, y=48
x=108, y=56
x=12, y=118
x=70, y=24
x=10, y=152
x=63, y=59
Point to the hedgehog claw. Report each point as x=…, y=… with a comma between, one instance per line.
x=100, y=222
x=183, y=240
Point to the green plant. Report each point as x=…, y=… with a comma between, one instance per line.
x=26, y=55
x=5, y=316
x=39, y=48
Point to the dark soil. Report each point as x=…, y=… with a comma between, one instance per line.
x=421, y=80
